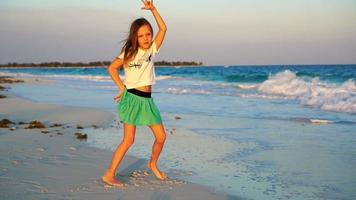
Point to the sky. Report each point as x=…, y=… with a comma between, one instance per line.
x=224, y=32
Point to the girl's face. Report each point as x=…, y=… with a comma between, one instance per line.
x=144, y=37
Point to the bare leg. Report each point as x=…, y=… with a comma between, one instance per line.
x=126, y=143
x=160, y=137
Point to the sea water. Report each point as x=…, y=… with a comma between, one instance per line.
x=261, y=132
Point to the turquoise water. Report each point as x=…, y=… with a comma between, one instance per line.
x=250, y=131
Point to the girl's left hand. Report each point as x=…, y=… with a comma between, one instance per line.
x=148, y=4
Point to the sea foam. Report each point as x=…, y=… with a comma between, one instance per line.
x=326, y=96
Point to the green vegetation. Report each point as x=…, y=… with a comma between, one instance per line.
x=178, y=63
x=94, y=64
x=57, y=64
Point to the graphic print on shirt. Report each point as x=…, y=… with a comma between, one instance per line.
x=144, y=58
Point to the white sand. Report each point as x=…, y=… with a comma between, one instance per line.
x=34, y=165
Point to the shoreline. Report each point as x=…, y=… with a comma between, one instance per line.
x=52, y=163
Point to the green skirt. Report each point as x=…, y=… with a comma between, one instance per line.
x=137, y=110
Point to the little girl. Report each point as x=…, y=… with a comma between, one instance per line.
x=135, y=104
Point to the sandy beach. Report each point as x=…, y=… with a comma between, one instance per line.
x=260, y=136
x=52, y=163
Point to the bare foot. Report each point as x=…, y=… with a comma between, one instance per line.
x=160, y=175
x=112, y=181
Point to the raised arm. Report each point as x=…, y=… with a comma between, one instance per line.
x=148, y=5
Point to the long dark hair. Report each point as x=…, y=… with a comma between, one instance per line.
x=131, y=43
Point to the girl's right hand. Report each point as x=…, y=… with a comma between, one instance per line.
x=118, y=96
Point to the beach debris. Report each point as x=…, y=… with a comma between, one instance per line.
x=44, y=132
x=8, y=79
x=107, y=186
x=81, y=136
x=320, y=121
x=72, y=148
x=40, y=149
x=35, y=124
x=4, y=123
x=2, y=96
x=172, y=131
x=59, y=133
x=22, y=123
x=177, y=117
x=141, y=178
x=79, y=127
x=41, y=188
x=94, y=126
x=15, y=162
x=7, y=121
x=44, y=190
x=12, y=128
x=56, y=125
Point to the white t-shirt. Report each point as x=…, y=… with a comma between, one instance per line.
x=140, y=71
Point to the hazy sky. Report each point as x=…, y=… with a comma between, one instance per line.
x=224, y=32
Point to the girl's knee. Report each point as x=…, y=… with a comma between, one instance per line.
x=128, y=142
x=161, y=138
x=159, y=133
